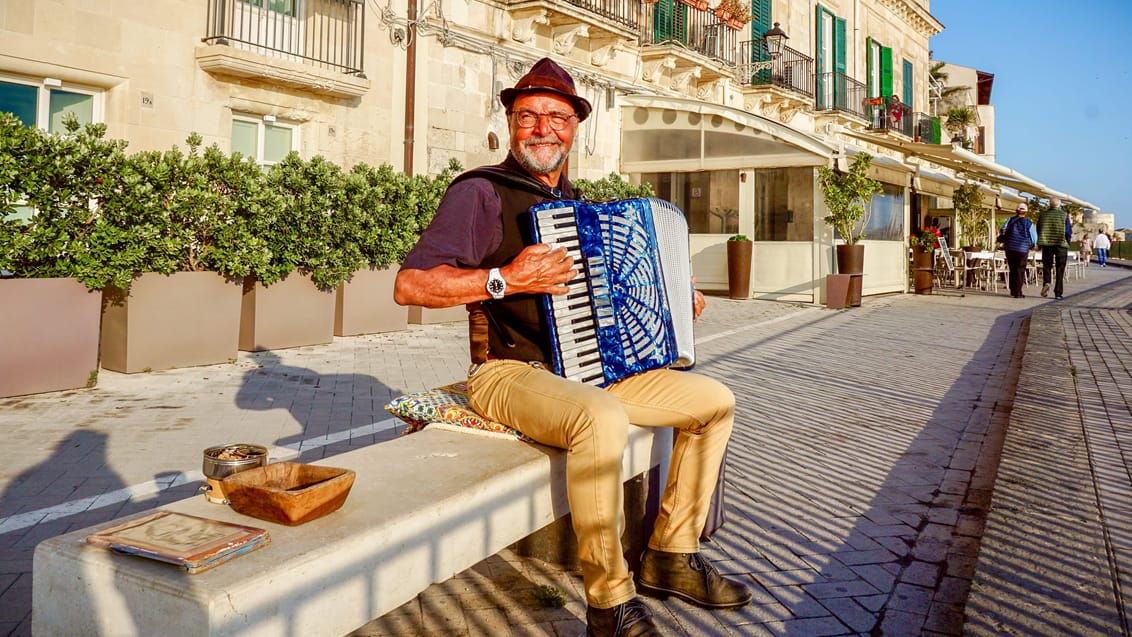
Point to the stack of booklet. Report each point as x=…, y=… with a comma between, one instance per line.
x=193, y=543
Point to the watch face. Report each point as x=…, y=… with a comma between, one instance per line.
x=495, y=286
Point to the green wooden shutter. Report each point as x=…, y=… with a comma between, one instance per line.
x=885, y=71
x=820, y=62
x=908, y=83
x=669, y=21
x=760, y=18
x=869, y=64
x=839, y=65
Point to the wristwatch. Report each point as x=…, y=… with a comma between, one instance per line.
x=496, y=285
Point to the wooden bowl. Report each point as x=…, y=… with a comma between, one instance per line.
x=289, y=493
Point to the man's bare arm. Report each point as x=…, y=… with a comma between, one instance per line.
x=539, y=268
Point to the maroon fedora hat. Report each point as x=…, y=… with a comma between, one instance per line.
x=547, y=77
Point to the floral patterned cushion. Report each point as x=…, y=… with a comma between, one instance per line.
x=448, y=404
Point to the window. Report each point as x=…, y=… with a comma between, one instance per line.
x=887, y=220
x=831, y=65
x=45, y=105
x=268, y=142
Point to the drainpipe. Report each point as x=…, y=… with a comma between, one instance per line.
x=410, y=85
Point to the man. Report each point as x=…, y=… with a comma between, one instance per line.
x=473, y=253
x=1054, y=232
x=1020, y=239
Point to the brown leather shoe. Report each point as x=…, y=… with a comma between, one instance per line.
x=689, y=577
x=631, y=619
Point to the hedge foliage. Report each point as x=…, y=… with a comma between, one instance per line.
x=104, y=216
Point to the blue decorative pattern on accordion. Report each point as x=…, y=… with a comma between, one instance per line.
x=620, y=295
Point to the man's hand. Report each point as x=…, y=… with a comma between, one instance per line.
x=698, y=302
x=540, y=268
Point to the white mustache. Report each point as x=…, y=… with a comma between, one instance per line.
x=549, y=139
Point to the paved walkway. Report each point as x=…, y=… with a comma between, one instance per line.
x=861, y=477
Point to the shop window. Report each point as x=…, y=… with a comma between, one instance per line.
x=887, y=220
x=267, y=141
x=709, y=199
x=784, y=204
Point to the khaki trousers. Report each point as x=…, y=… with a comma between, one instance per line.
x=591, y=424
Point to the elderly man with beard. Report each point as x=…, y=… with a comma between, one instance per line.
x=474, y=253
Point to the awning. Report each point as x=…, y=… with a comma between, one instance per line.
x=886, y=169
x=662, y=134
x=961, y=160
x=930, y=182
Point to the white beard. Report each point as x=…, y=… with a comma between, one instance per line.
x=527, y=159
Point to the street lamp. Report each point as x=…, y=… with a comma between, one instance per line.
x=775, y=39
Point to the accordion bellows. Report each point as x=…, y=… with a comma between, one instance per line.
x=630, y=308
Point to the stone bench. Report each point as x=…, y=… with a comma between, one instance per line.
x=423, y=508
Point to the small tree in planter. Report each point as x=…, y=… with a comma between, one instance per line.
x=848, y=196
x=972, y=217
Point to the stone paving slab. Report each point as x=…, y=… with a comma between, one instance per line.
x=858, y=478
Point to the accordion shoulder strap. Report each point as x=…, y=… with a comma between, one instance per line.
x=512, y=179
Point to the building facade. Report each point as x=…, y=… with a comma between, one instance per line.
x=686, y=96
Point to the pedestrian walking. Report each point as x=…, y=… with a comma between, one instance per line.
x=1086, y=248
x=1054, y=232
x=1101, y=243
x=1019, y=238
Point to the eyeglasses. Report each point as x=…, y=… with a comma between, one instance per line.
x=529, y=119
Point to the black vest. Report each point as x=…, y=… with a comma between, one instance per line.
x=515, y=326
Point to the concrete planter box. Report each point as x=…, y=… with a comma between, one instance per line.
x=49, y=338
x=427, y=316
x=291, y=312
x=183, y=319
x=364, y=304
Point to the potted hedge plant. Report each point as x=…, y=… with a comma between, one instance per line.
x=384, y=213
x=177, y=231
x=289, y=300
x=50, y=276
x=848, y=197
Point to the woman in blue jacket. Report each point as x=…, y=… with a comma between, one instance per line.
x=1020, y=238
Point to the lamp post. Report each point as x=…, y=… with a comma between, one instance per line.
x=775, y=39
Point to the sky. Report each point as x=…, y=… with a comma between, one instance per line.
x=1062, y=89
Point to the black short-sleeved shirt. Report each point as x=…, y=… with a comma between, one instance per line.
x=467, y=226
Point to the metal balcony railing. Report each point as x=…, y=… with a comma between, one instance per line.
x=791, y=70
x=623, y=12
x=839, y=92
x=889, y=114
x=928, y=128
x=693, y=29
x=323, y=33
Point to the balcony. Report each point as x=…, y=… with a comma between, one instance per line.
x=792, y=70
x=315, y=45
x=928, y=129
x=839, y=93
x=889, y=114
x=775, y=88
x=607, y=26
x=692, y=43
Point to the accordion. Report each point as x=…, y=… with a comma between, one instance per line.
x=629, y=309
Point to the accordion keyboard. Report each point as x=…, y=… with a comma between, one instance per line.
x=575, y=321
